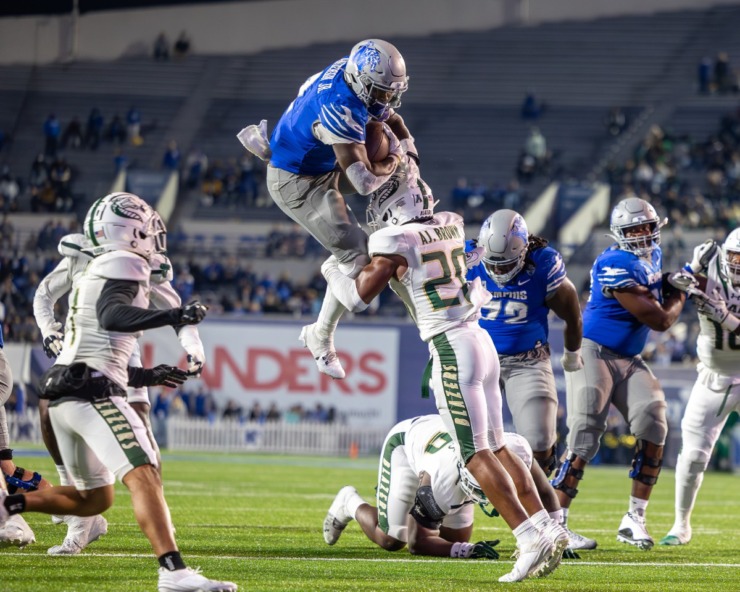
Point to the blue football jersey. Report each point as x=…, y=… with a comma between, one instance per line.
x=516, y=316
x=607, y=322
x=327, y=99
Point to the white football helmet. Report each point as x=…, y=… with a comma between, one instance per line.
x=376, y=72
x=470, y=485
x=401, y=199
x=124, y=221
x=730, y=260
x=504, y=238
x=632, y=212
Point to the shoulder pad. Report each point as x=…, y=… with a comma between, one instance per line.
x=121, y=265
x=72, y=245
x=391, y=240
x=161, y=269
x=448, y=218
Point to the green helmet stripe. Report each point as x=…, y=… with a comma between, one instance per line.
x=90, y=230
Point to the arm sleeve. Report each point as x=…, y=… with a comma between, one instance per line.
x=363, y=180
x=51, y=289
x=115, y=312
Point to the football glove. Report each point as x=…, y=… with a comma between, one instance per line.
x=394, y=146
x=684, y=281
x=572, y=360
x=479, y=550
x=715, y=309
x=254, y=138
x=164, y=375
x=193, y=313
x=570, y=554
x=53, y=341
x=195, y=365
x=702, y=256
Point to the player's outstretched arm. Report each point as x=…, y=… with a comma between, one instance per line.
x=357, y=294
x=645, y=307
x=564, y=303
x=116, y=313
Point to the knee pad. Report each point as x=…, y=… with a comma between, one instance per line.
x=353, y=268
x=16, y=482
x=695, y=458
x=584, y=439
x=567, y=470
x=6, y=454
x=642, y=459
x=650, y=424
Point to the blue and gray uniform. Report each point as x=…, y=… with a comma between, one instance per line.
x=516, y=320
x=614, y=372
x=303, y=174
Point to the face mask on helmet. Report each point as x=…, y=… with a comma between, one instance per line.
x=123, y=221
x=731, y=257
x=635, y=226
x=399, y=201
x=504, y=238
x=470, y=486
x=376, y=73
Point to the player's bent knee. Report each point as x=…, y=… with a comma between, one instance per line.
x=96, y=501
x=390, y=544
x=144, y=476
x=647, y=462
x=650, y=423
x=584, y=440
x=567, y=477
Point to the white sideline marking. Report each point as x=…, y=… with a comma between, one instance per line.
x=567, y=562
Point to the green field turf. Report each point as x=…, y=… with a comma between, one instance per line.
x=256, y=520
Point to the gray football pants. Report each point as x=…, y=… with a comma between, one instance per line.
x=6, y=387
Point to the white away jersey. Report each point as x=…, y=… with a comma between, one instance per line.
x=434, y=288
x=717, y=348
x=84, y=339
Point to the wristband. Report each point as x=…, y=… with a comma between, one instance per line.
x=461, y=550
x=731, y=323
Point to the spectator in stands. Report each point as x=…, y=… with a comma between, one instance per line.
x=232, y=411
x=72, y=135
x=724, y=80
x=704, y=75
x=526, y=167
x=460, y=194
x=536, y=147
x=94, y=129
x=116, y=131
x=532, y=109
x=60, y=174
x=133, y=126
x=182, y=45
x=616, y=121
x=161, y=47
x=196, y=165
x=273, y=414
x=248, y=187
x=171, y=158
x=205, y=404
x=9, y=190
x=3, y=138
x=120, y=160
x=256, y=413
x=52, y=131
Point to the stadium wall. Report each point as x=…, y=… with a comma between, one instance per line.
x=242, y=28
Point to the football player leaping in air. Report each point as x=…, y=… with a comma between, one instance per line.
x=716, y=392
x=425, y=497
x=527, y=280
x=100, y=436
x=76, y=252
x=322, y=128
x=422, y=256
x=628, y=298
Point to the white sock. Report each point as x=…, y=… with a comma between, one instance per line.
x=525, y=532
x=557, y=516
x=565, y=511
x=63, y=476
x=540, y=519
x=689, y=477
x=329, y=315
x=354, y=502
x=638, y=506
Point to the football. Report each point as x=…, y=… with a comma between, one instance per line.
x=376, y=142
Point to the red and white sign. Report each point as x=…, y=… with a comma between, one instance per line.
x=263, y=362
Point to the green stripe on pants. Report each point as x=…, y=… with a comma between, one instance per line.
x=122, y=430
x=384, y=484
x=453, y=396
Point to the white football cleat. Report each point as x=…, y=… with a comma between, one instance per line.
x=190, y=580
x=560, y=540
x=578, y=542
x=16, y=532
x=338, y=518
x=58, y=519
x=676, y=536
x=81, y=531
x=532, y=558
x=633, y=531
x=322, y=351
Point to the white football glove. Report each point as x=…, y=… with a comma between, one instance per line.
x=394, y=145
x=53, y=341
x=254, y=138
x=572, y=360
x=195, y=363
x=684, y=281
x=715, y=309
x=703, y=255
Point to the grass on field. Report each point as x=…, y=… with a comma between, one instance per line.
x=256, y=520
